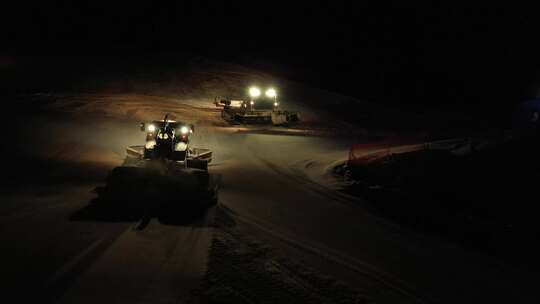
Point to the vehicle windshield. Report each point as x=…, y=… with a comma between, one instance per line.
x=263, y=104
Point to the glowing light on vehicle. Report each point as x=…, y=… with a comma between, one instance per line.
x=254, y=92
x=271, y=93
x=150, y=144
x=151, y=128
x=252, y=102
x=276, y=104
x=184, y=130
x=181, y=146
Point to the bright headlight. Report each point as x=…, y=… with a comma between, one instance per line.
x=181, y=146
x=184, y=130
x=254, y=92
x=271, y=93
x=150, y=144
x=151, y=128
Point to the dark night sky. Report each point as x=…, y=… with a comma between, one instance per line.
x=420, y=56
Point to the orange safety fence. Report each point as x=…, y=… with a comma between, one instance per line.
x=364, y=153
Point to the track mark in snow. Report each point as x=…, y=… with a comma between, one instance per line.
x=341, y=259
x=66, y=268
x=159, y=264
x=334, y=196
x=64, y=277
